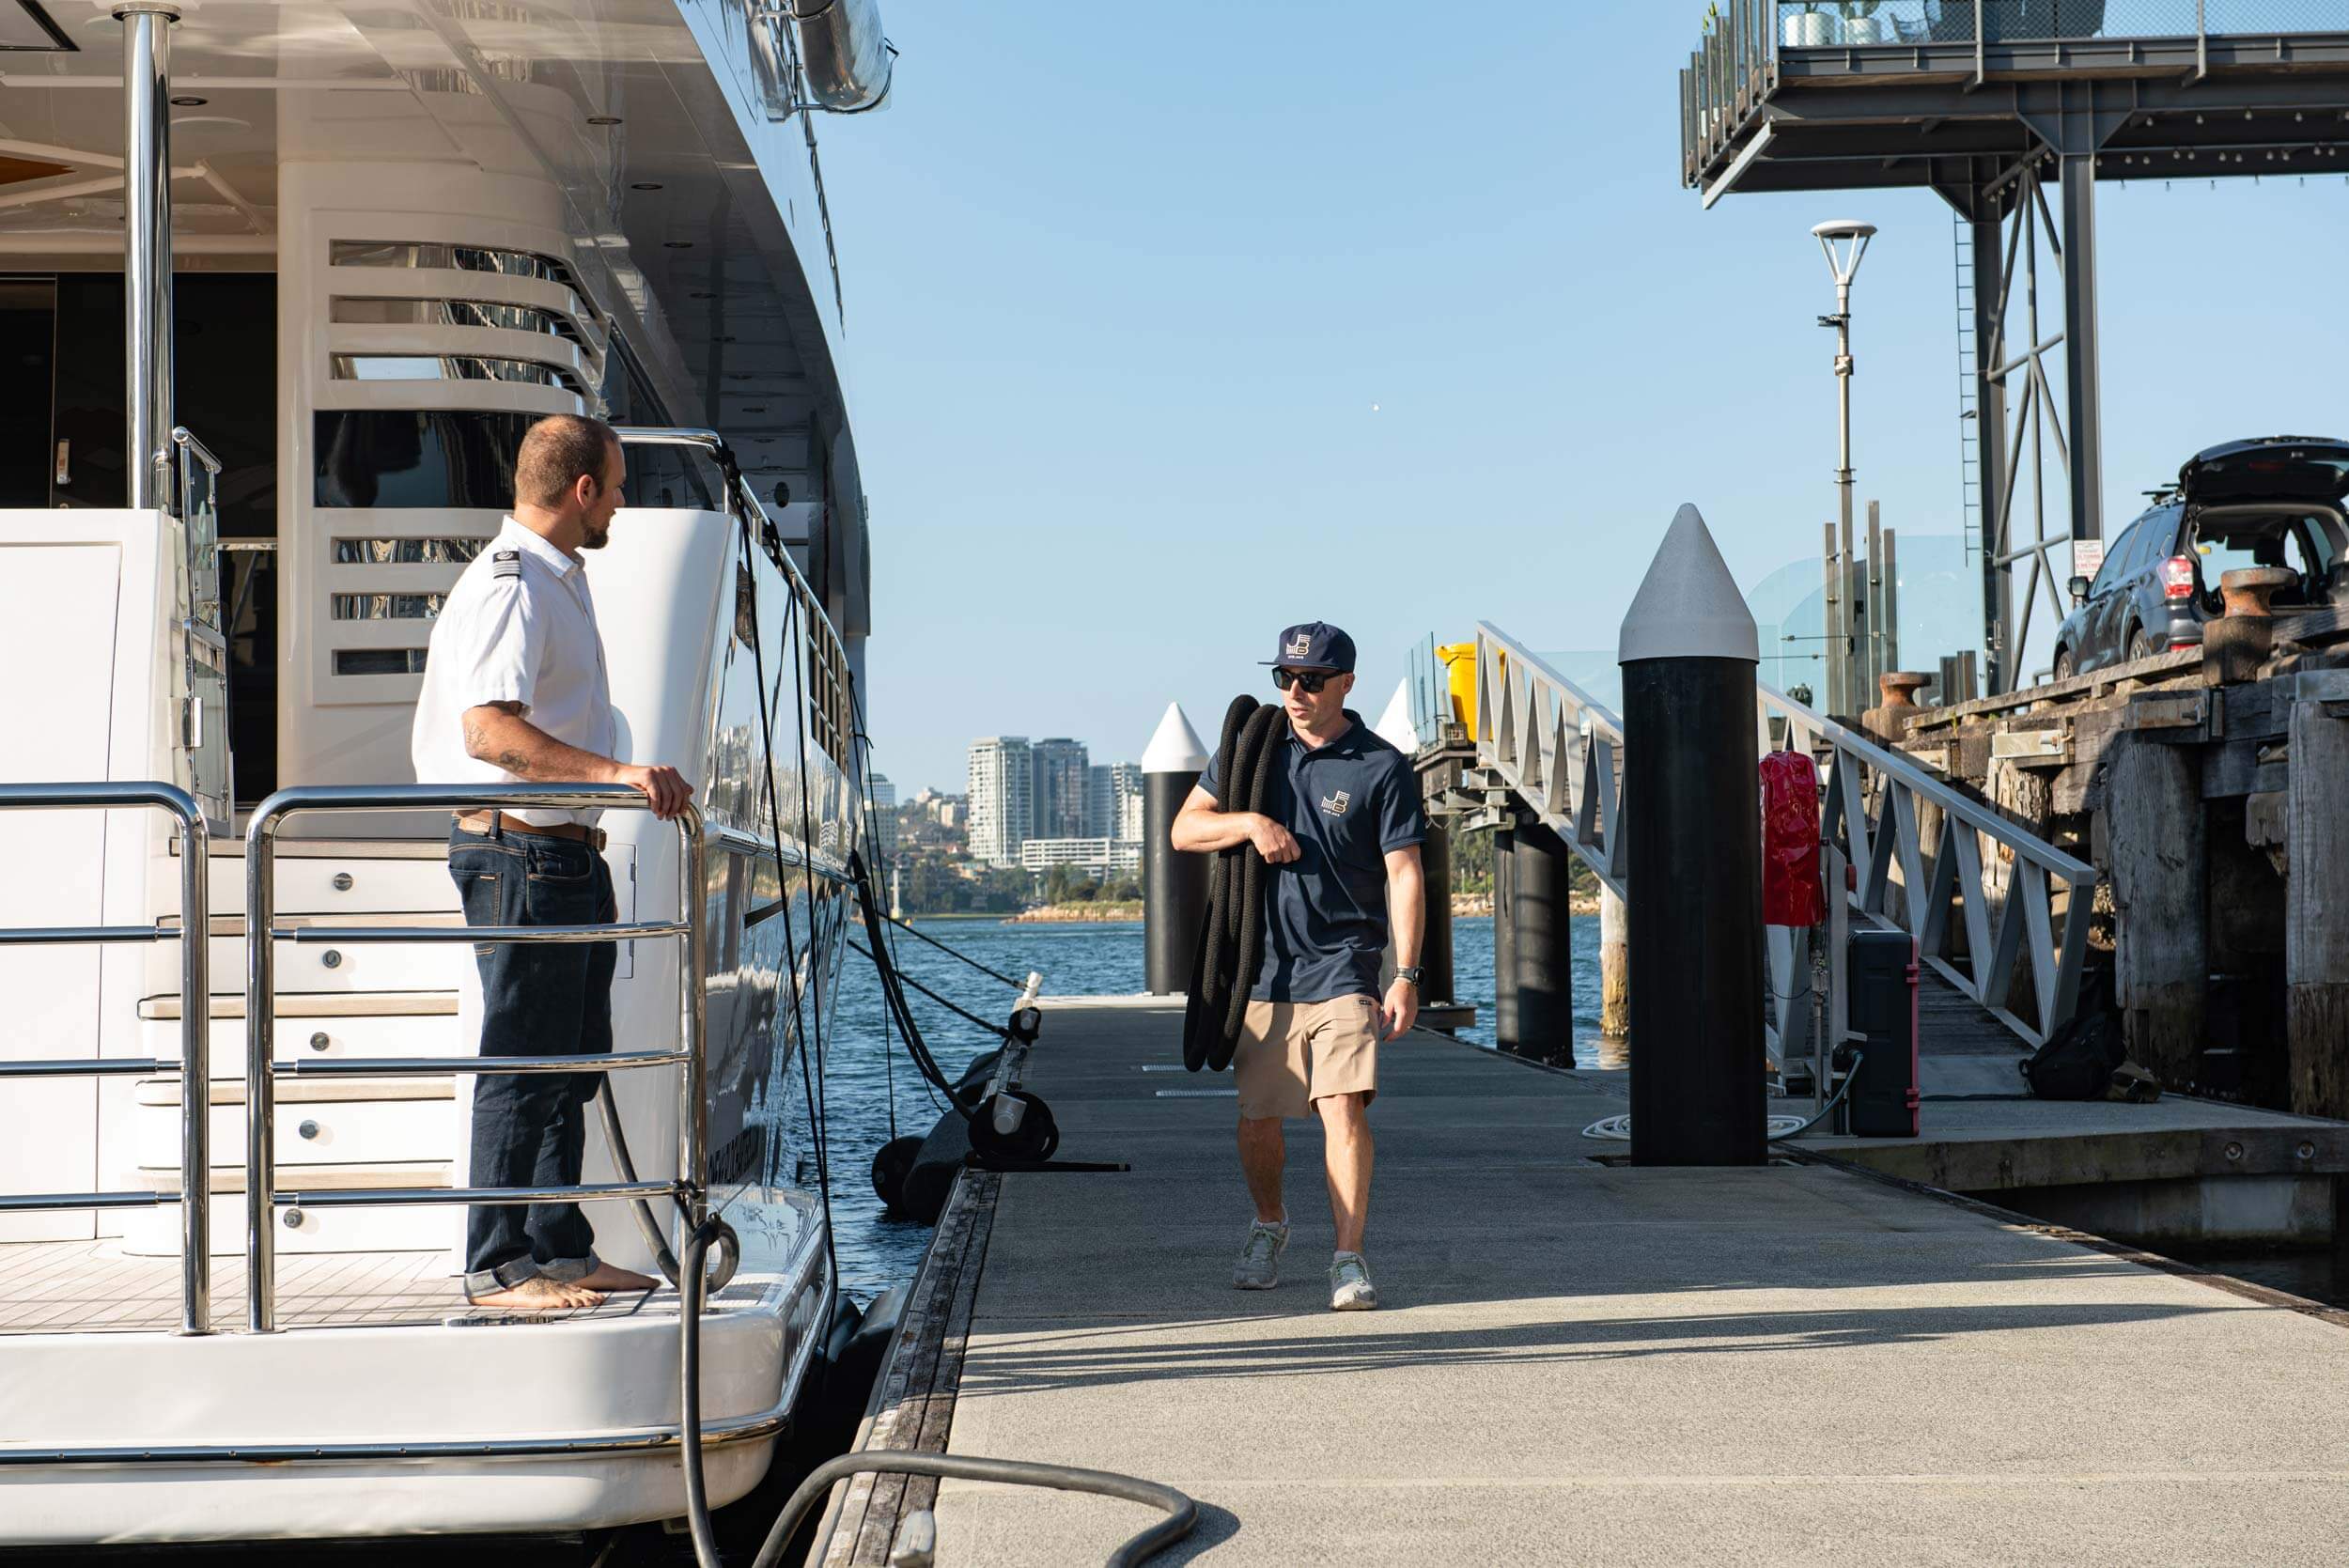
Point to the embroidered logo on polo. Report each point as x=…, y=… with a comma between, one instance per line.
x=1334, y=804
x=506, y=562
x=1298, y=646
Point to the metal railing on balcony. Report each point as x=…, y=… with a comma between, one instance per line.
x=1738, y=61
x=195, y=1290
x=691, y=1187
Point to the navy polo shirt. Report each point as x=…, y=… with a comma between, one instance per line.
x=1348, y=804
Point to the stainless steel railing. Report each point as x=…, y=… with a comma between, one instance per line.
x=262, y=1200
x=195, y=1286
x=1961, y=866
x=1558, y=748
x=1930, y=859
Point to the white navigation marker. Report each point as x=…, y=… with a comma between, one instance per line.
x=1174, y=746
x=1175, y=885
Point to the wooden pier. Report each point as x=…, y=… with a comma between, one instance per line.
x=1579, y=1362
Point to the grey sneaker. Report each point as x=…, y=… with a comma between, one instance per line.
x=1259, y=1266
x=1350, y=1290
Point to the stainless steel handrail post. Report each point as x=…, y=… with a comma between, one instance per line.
x=195, y=1074
x=195, y=1024
x=691, y=1187
x=260, y=1086
x=693, y=959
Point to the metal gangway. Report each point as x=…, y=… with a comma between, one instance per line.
x=1998, y=912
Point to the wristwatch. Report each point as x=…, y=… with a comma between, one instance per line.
x=1410, y=974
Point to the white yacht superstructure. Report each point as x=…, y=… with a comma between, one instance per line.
x=281, y=285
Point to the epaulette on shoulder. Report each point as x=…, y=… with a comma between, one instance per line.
x=506, y=562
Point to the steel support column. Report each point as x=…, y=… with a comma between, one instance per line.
x=2082, y=403
x=146, y=248
x=1986, y=230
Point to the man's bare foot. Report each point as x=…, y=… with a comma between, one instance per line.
x=606, y=1278
x=538, y=1294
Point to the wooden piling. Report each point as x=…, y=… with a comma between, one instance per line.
x=2316, y=906
x=2159, y=872
x=1614, y=967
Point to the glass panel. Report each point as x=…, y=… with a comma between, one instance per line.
x=374, y=312
x=449, y=367
x=416, y=458
x=405, y=552
x=387, y=606
x=379, y=662
x=205, y=732
x=467, y=258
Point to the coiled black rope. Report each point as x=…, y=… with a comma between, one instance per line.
x=1231, y=940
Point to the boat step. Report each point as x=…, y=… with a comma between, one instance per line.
x=341, y=1176
x=337, y=1004
x=299, y=1090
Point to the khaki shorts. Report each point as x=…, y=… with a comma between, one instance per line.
x=1292, y=1054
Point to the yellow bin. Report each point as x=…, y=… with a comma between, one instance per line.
x=1459, y=660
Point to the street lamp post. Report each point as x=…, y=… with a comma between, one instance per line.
x=1844, y=626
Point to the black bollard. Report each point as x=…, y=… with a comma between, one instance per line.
x=1542, y=877
x=1505, y=1037
x=1692, y=800
x=1175, y=885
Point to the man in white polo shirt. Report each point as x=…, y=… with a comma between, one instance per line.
x=515, y=692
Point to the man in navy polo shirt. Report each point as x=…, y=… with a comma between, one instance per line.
x=1341, y=839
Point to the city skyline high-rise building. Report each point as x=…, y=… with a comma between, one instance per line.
x=1057, y=796
x=884, y=812
x=1113, y=801
x=1002, y=809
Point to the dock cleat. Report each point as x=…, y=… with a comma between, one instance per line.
x=1259, y=1266
x=1350, y=1290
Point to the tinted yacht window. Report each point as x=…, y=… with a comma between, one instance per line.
x=416, y=458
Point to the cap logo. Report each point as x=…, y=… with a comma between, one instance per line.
x=1334, y=804
x=1299, y=645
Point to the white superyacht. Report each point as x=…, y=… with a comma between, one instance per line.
x=280, y=287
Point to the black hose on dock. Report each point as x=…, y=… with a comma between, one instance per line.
x=1182, y=1513
x=1231, y=941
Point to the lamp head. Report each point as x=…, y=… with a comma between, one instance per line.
x=1854, y=235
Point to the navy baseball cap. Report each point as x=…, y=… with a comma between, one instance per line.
x=1315, y=646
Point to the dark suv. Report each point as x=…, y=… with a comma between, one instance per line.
x=2275, y=501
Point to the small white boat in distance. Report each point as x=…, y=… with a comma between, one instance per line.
x=280, y=288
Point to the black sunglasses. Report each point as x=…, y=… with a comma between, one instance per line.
x=1312, y=680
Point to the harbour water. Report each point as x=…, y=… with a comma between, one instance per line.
x=872, y=1093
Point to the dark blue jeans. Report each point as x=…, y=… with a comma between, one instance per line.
x=538, y=999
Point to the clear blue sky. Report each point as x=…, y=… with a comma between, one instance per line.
x=1169, y=325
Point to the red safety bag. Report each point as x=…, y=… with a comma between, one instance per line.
x=1791, y=894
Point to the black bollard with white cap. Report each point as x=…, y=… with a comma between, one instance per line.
x=1174, y=886
x=1693, y=812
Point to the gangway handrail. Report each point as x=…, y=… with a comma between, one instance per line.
x=1959, y=870
x=1559, y=753
x=195, y=1064
x=691, y=1187
x=1531, y=728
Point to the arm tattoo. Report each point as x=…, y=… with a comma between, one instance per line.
x=513, y=761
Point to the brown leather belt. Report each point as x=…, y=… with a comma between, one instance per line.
x=498, y=821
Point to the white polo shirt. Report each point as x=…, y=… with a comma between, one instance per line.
x=517, y=627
